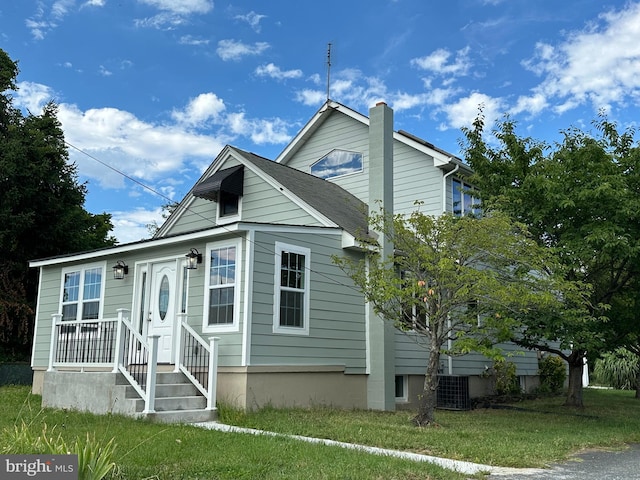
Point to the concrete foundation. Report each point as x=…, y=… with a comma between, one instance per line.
x=251, y=388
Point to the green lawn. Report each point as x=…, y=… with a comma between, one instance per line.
x=538, y=432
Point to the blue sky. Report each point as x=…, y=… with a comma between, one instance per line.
x=156, y=88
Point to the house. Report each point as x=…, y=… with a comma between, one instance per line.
x=236, y=298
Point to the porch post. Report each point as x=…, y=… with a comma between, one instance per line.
x=117, y=361
x=56, y=318
x=150, y=403
x=213, y=372
x=177, y=337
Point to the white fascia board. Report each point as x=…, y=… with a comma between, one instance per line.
x=133, y=247
x=313, y=124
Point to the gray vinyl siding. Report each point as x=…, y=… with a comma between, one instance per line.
x=265, y=204
x=410, y=356
x=415, y=179
x=338, y=132
x=199, y=214
x=119, y=294
x=337, y=321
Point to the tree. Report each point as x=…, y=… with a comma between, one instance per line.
x=580, y=198
x=41, y=209
x=463, y=279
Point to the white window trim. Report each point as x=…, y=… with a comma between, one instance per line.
x=277, y=328
x=226, y=219
x=235, y=325
x=82, y=269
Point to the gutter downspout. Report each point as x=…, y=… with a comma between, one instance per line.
x=444, y=186
x=444, y=209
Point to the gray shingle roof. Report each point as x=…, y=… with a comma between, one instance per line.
x=331, y=200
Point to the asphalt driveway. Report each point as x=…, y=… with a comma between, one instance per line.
x=589, y=465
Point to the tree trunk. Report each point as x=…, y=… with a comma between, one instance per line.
x=576, y=366
x=428, y=400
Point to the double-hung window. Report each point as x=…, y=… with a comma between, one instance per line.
x=222, y=287
x=82, y=292
x=291, y=289
x=464, y=203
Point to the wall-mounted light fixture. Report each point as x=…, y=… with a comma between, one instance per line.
x=120, y=269
x=194, y=257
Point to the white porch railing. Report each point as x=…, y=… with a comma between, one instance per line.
x=197, y=359
x=115, y=343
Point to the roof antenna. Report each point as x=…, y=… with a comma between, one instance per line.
x=328, y=69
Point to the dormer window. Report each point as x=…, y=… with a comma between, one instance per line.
x=225, y=187
x=337, y=163
x=228, y=204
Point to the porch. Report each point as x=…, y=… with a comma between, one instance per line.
x=107, y=366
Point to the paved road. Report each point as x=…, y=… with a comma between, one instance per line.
x=591, y=465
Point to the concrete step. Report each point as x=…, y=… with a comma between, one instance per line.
x=183, y=416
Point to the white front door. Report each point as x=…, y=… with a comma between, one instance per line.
x=162, y=307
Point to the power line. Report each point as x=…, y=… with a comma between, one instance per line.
x=207, y=219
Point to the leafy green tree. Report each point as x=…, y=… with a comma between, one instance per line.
x=41, y=209
x=466, y=280
x=581, y=199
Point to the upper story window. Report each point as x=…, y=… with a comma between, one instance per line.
x=82, y=292
x=225, y=187
x=291, y=289
x=222, y=288
x=464, y=203
x=337, y=163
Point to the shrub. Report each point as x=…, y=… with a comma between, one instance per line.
x=618, y=369
x=506, y=378
x=553, y=372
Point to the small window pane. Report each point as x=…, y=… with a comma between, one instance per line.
x=291, y=309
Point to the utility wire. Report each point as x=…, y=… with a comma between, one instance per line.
x=162, y=195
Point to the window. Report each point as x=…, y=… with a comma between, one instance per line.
x=81, y=293
x=401, y=388
x=222, y=287
x=337, y=163
x=292, y=289
x=229, y=204
x=463, y=202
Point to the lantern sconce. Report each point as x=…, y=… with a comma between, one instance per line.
x=120, y=269
x=194, y=257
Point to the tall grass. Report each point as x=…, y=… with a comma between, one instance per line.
x=618, y=369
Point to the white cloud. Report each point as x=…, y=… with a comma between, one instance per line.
x=94, y=3
x=599, y=65
x=310, y=97
x=438, y=62
x=133, y=225
x=235, y=50
x=270, y=70
x=261, y=131
x=252, y=18
x=173, y=13
x=464, y=111
x=204, y=107
x=191, y=40
x=102, y=70
x=181, y=7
